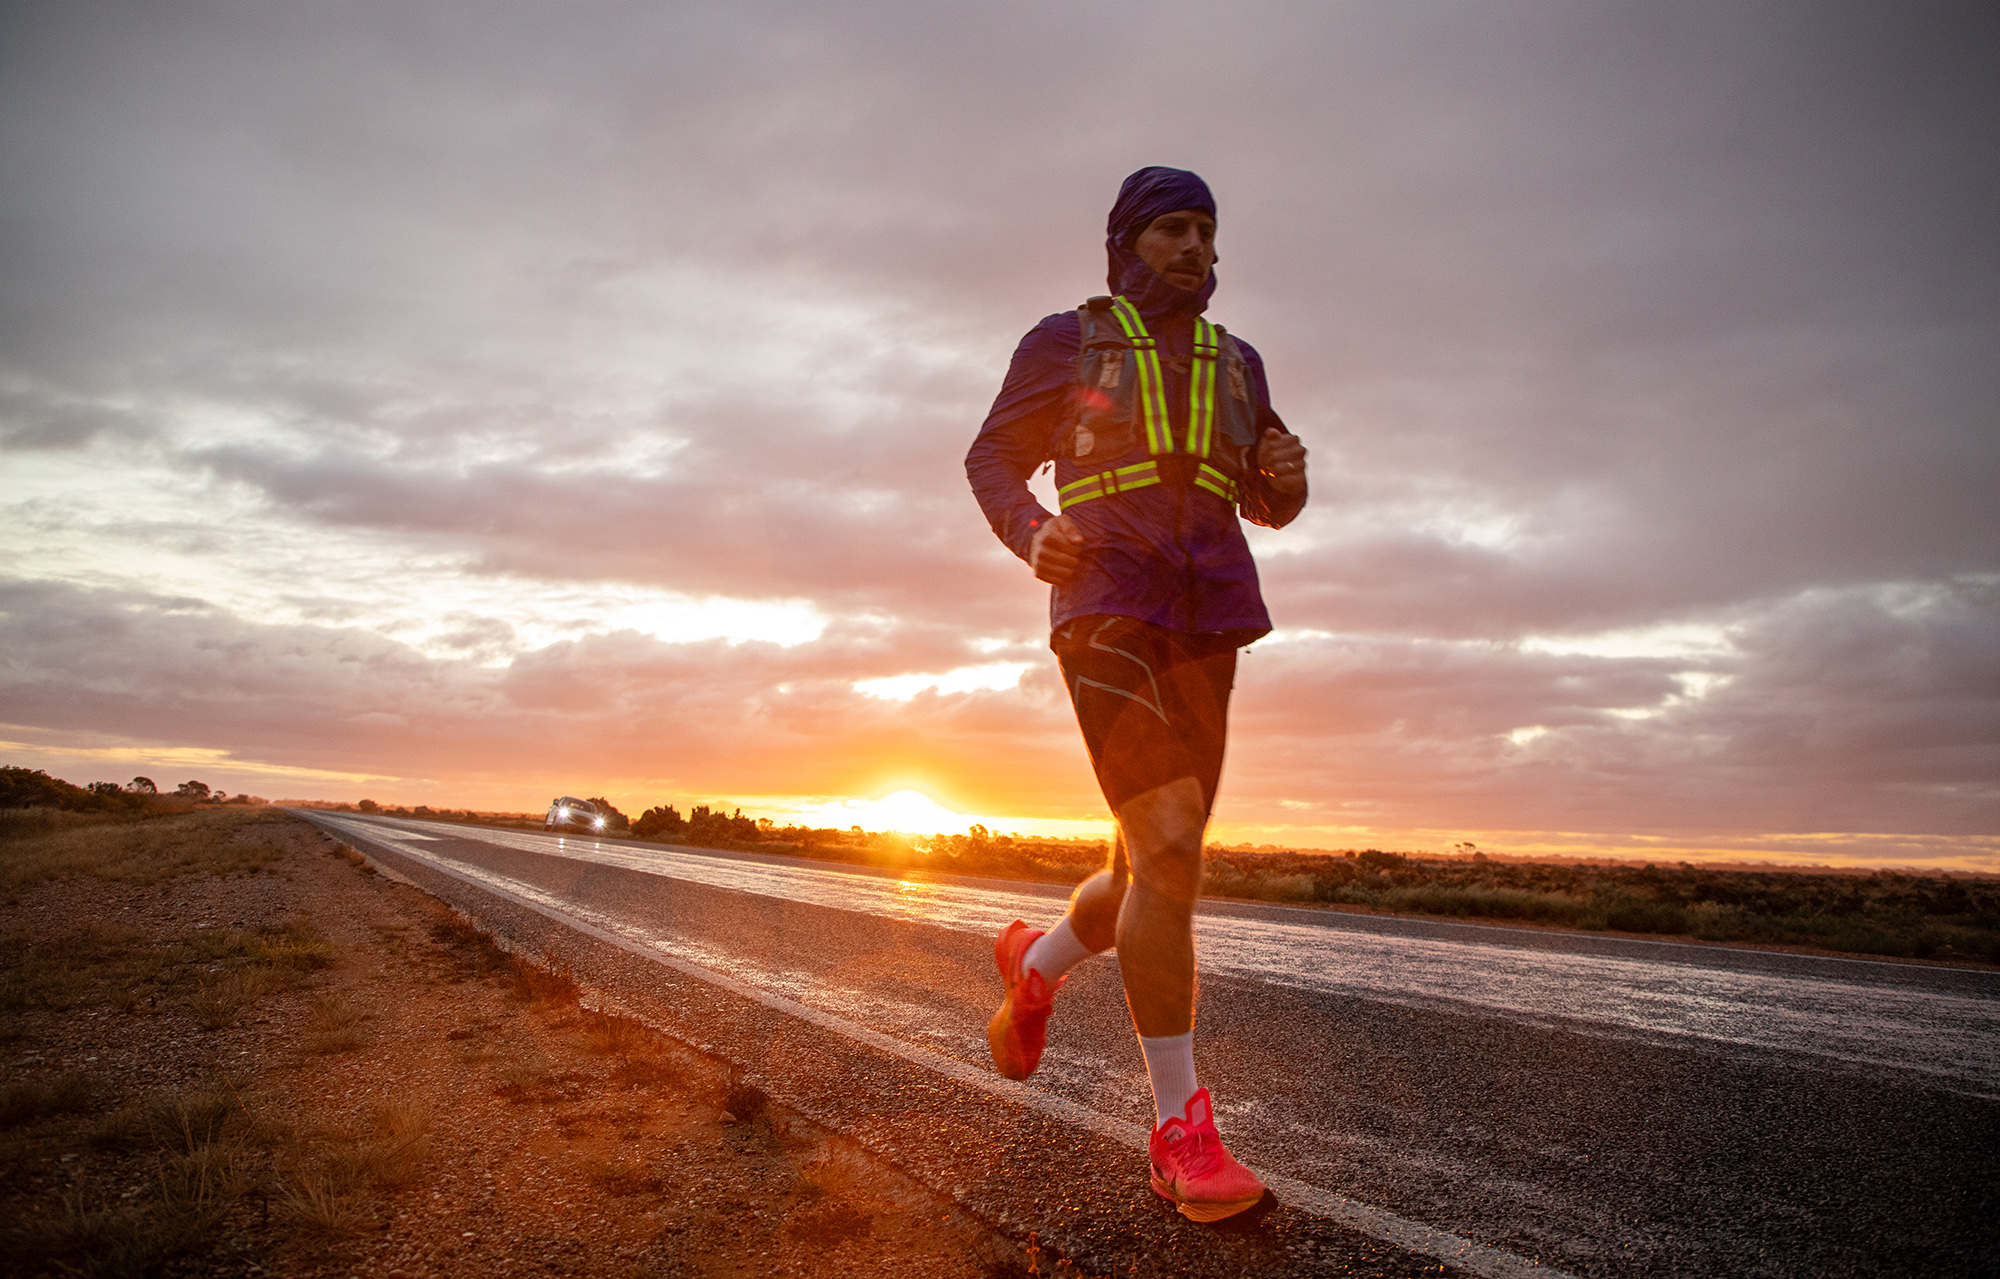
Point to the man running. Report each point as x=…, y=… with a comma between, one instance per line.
x=1161, y=430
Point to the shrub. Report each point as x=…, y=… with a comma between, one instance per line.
x=1631, y=914
x=33, y=788
x=659, y=822
x=745, y=1100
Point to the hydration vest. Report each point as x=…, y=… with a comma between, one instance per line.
x=1122, y=410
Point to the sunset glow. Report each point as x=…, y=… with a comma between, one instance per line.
x=912, y=812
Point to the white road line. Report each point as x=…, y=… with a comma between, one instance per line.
x=1377, y=1223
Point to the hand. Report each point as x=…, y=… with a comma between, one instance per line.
x=1054, y=551
x=1282, y=460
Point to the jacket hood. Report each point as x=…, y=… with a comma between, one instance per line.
x=1146, y=195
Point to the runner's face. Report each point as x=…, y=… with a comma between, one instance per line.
x=1179, y=246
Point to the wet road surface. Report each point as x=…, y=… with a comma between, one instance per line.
x=1600, y=1105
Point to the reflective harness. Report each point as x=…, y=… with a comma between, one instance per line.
x=1160, y=441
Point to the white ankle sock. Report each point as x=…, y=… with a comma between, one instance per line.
x=1055, y=952
x=1170, y=1067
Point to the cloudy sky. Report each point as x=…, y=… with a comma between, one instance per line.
x=464, y=403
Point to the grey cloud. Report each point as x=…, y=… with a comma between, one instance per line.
x=1865, y=710
x=715, y=716
x=733, y=527
x=34, y=419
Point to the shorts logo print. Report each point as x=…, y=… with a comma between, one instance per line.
x=1182, y=680
x=1152, y=681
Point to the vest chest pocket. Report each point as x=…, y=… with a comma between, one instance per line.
x=1103, y=442
x=1108, y=373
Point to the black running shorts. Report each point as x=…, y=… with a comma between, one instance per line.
x=1153, y=703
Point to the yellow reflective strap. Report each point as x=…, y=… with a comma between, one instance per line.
x=1201, y=389
x=1206, y=344
x=1138, y=476
x=1106, y=483
x=1217, y=483
x=1152, y=389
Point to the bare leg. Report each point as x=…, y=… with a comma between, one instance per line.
x=1093, y=908
x=1163, y=829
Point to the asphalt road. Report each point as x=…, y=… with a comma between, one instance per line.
x=1414, y=1090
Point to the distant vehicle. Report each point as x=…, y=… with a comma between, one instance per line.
x=570, y=813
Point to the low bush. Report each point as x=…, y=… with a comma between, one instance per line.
x=745, y=1100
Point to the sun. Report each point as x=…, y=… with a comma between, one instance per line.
x=913, y=813
x=907, y=810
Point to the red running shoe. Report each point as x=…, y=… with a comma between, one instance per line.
x=1193, y=1168
x=1020, y=1030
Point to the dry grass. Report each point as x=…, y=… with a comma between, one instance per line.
x=334, y=1042
x=298, y=948
x=189, y=1121
x=607, y=1033
x=34, y=823
x=57, y=973
x=331, y=1012
x=745, y=1101
x=213, y=841
x=357, y=859
x=211, y=1153
x=324, y=1184
x=530, y=983
x=402, y=1129
x=315, y=1199
x=217, y=1004
x=535, y=985
x=456, y=932
x=520, y=1083
x=204, y=1180
x=125, y=1128
x=216, y=972
x=206, y=1162
x=27, y=1101
x=812, y=1182
x=336, y=1026
x=649, y=1069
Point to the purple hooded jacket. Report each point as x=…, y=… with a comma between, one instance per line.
x=1169, y=554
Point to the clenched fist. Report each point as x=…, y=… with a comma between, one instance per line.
x=1282, y=460
x=1053, y=552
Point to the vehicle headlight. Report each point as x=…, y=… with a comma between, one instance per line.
x=599, y=823
x=562, y=812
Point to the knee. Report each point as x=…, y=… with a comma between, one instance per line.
x=1172, y=872
x=1163, y=831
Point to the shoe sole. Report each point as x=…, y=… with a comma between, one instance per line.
x=1205, y=1212
x=996, y=1034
